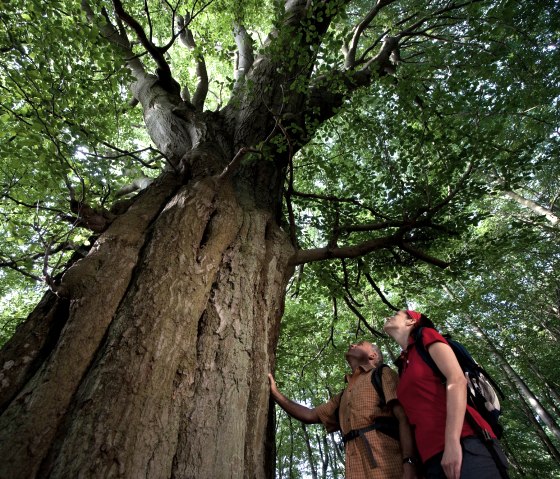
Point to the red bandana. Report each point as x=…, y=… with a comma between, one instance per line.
x=414, y=314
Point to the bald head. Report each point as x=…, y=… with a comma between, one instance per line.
x=364, y=352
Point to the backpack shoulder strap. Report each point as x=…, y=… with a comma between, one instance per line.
x=425, y=355
x=377, y=381
x=463, y=356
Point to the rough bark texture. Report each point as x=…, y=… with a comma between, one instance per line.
x=150, y=359
x=25, y=352
x=160, y=370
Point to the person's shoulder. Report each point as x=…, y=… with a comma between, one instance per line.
x=390, y=377
x=430, y=336
x=387, y=370
x=388, y=374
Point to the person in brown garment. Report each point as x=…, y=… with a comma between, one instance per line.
x=358, y=412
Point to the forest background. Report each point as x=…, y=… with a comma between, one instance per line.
x=408, y=151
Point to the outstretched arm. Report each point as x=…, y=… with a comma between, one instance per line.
x=297, y=411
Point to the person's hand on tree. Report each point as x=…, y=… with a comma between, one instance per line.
x=272, y=382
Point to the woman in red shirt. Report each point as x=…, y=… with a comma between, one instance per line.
x=447, y=444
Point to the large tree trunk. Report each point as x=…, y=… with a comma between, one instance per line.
x=160, y=367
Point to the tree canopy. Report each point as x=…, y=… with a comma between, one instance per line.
x=420, y=150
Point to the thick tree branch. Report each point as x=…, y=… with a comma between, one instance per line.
x=138, y=184
x=109, y=32
x=328, y=92
x=361, y=249
x=161, y=102
x=533, y=206
x=97, y=220
x=187, y=38
x=244, y=57
x=352, y=46
x=422, y=256
x=289, y=55
x=387, y=58
x=354, y=251
x=163, y=69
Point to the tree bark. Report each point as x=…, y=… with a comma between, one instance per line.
x=161, y=367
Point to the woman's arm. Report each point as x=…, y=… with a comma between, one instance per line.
x=456, y=388
x=297, y=411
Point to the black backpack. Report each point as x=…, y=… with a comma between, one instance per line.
x=482, y=391
x=377, y=381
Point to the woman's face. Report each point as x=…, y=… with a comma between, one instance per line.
x=397, y=322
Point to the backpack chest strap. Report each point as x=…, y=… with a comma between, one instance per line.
x=360, y=433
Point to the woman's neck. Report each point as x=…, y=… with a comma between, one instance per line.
x=401, y=337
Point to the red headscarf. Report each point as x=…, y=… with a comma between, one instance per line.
x=414, y=314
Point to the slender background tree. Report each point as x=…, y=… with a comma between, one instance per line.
x=168, y=167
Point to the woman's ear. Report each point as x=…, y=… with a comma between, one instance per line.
x=410, y=321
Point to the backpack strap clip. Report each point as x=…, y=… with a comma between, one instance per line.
x=360, y=433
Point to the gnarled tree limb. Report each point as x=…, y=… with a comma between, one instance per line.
x=244, y=57
x=352, y=45
x=187, y=38
x=120, y=39
x=354, y=251
x=405, y=246
x=163, y=69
